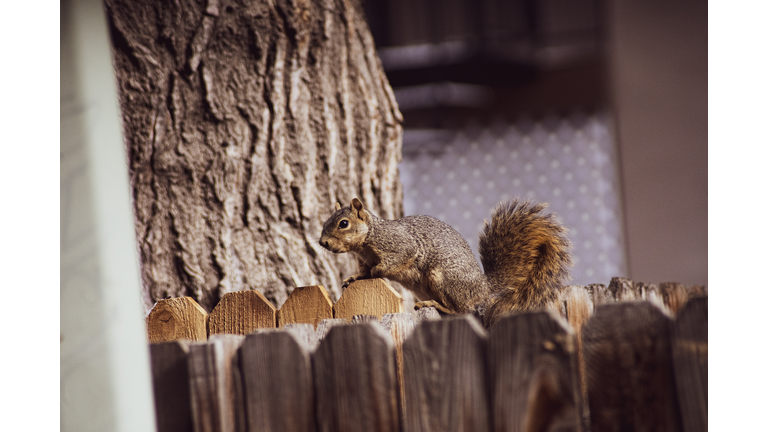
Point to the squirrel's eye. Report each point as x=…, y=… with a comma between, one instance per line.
x=343, y=224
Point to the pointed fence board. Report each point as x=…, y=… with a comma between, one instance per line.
x=533, y=374
x=630, y=381
x=216, y=394
x=177, y=318
x=277, y=376
x=170, y=384
x=309, y=304
x=368, y=297
x=445, y=376
x=354, y=369
x=242, y=312
x=689, y=355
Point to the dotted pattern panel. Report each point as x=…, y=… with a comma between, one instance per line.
x=567, y=161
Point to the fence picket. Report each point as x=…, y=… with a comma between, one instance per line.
x=533, y=374
x=175, y=319
x=215, y=396
x=277, y=378
x=368, y=297
x=445, y=376
x=689, y=355
x=629, y=369
x=355, y=380
x=242, y=312
x=400, y=326
x=170, y=384
x=309, y=304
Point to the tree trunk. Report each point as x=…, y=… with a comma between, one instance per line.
x=244, y=122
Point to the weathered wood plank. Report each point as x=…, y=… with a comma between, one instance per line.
x=690, y=358
x=623, y=289
x=600, y=294
x=325, y=326
x=674, y=295
x=241, y=313
x=445, y=376
x=215, y=395
x=306, y=334
x=400, y=326
x=277, y=377
x=170, y=384
x=309, y=304
x=354, y=369
x=533, y=374
x=368, y=297
x=630, y=380
x=579, y=308
x=426, y=314
x=175, y=319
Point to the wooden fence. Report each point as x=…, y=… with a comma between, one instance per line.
x=626, y=357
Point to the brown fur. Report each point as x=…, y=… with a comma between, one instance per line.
x=526, y=257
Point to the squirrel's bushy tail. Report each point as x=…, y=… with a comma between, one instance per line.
x=525, y=256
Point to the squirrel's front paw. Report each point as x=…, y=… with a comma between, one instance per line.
x=347, y=281
x=423, y=304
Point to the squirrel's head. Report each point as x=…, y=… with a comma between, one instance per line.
x=346, y=229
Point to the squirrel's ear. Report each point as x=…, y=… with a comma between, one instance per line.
x=338, y=205
x=359, y=210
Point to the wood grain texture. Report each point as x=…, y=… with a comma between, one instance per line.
x=445, y=376
x=579, y=308
x=368, y=297
x=533, y=374
x=623, y=289
x=306, y=334
x=215, y=392
x=354, y=369
x=600, y=294
x=170, y=384
x=674, y=295
x=400, y=326
x=690, y=335
x=177, y=318
x=277, y=377
x=310, y=304
x=241, y=313
x=630, y=378
x=325, y=326
x=244, y=122
x=426, y=314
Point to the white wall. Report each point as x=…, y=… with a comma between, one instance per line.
x=658, y=56
x=105, y=377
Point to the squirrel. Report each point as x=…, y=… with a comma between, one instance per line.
x=525, y=255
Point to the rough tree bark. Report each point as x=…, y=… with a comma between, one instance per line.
x=244, y=122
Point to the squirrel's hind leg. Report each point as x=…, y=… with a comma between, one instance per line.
x=434, y=304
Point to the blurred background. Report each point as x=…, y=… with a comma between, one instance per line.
x=598, y=107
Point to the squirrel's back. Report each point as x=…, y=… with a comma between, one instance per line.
x=525, y=256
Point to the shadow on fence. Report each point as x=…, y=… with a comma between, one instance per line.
x=610, y=358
